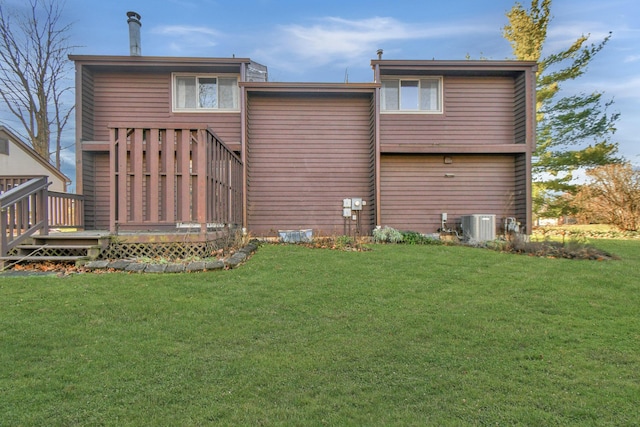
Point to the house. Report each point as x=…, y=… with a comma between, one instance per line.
x=170, y=143
x=19, y=162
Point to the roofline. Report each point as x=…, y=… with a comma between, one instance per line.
x=477, y=65
x=33, y=153
x=308, y=87
x=154, y=60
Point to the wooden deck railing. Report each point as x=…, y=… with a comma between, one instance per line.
x=167, y=178
x=23, y=212
x=66, y=210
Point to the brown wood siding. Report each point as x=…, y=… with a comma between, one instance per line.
x=102, y=182
x=522, y=190
x=136, y=99
x=415, y=191
x=87, y=105
x=305, y=155
x=95, y=174
x=88, y=178
x=520, y=110
x=477, y=110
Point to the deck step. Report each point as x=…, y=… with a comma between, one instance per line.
x=35, y=258
x=74, y=247
x=58, y=248
x=61, y=239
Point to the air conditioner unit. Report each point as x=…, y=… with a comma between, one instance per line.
x=479, y=227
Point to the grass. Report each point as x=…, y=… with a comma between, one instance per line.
x=400, y=335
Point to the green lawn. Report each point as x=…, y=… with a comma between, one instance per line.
x=399, y=335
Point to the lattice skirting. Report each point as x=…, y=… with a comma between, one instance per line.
x=170, y=251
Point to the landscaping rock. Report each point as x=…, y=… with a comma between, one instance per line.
x=174, y=268
x=195, y=266
x=249, y=249
x=120, y=264
x=236, y=259
x=136, y=267
x=214, y=265
x=155, y=268
x=94, y=265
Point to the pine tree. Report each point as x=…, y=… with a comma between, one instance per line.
x=573, y=132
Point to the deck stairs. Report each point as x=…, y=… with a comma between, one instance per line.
x=58, y=247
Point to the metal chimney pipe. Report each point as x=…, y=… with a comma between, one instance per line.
x=379, y=52
x=135, y=47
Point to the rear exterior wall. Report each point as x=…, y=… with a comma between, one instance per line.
x=137, y=99
x=476, y=111
x=306, y=153
x=417, y=189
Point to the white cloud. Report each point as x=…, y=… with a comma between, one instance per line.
x=338, y=40
x=632, y=58
x=188, y=39
x=560, y=37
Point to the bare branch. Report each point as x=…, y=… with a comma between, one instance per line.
x=34, y=45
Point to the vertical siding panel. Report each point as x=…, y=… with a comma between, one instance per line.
x=169, y=183
x=477, y=110
x=153, y=159
x=184, y=176
x=521, y=190
x=415, y=190
x=520, y=110
x=139, y=98
x=88, y=177
x=136, y=164
x=87, y=105
x=122, y=181
x=104, y=180
x=305, y=154
x=201, y=180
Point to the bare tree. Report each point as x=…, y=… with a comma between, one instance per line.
x=34, y=48
x=612, y=196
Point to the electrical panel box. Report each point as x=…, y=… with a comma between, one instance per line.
x=346, y=203
x=479, y=227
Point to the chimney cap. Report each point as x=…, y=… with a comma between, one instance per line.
x=133, y=15
x=379, y=52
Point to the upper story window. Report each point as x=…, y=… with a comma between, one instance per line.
x=205, y=93
x=4, y=146
x=412, y=95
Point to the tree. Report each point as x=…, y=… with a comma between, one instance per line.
x=34, y=46
x=573, y=132
x=612, y=196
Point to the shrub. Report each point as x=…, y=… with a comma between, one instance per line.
x=573, y=249
x=387, y=235
x=415, y=238
x=342, y=242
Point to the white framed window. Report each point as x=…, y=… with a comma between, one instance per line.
x=420, y=95
x=205, y=92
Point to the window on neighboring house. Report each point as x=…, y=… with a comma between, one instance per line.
x=419, y=95
x=4, y=146
x=206, y=93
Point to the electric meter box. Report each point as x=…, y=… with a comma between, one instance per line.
x=356, y=203
x=346, y=203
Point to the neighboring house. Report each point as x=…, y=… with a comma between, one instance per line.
x=158, y=139
x=19, y=162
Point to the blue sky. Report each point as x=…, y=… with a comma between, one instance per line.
x=328, y=40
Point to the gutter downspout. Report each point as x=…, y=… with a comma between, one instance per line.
x=377, y=146
x=243, y=145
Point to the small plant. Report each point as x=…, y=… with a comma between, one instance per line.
x=342, y=242
x=387, y=235
x=415, y=238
